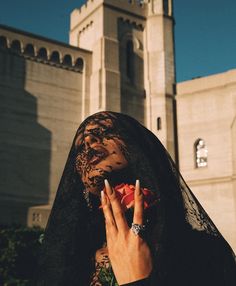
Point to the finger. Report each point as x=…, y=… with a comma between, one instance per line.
x=117, y=211
x=138, y=204
x=110, y=224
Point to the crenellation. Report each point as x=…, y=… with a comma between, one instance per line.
x=135, y=24
x=132, y=7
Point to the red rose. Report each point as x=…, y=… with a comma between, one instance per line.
x=125, y=193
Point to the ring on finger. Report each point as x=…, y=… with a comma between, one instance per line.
x=138, y=229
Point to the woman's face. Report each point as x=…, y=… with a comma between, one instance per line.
x=100, y=152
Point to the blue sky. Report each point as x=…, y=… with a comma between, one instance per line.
x=205, y=30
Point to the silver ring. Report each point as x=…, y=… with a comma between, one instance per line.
x=137, y=228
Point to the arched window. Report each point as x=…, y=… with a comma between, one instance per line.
x=55, y=57
x=141, y=2
x=130, y=60
x=79, y=64
x=166, y=7
x=67, y=60
x=42, y=54
x=29, y=50
x=3, y=42
x=16, y=46
x=201, y=153
x=158, y=123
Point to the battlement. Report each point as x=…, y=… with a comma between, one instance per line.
x=135, y=7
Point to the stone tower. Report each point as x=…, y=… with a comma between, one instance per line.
x=133, y=61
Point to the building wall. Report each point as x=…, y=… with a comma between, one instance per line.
x=104, y=27
x=207, y=110
x=43, y=101
x=41, y=108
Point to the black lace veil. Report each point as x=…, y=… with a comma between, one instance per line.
x=187, y=248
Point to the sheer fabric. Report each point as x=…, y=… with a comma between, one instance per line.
x=186, y=246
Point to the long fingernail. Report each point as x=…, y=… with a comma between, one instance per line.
x=109, y=190
x=137, y=187
x=103, y=199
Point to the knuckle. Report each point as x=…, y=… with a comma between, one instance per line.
x=119, y=215
x=113, y=198
x=139, y=198
x=110, y=222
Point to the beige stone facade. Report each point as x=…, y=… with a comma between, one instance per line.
x=133, y=60
x=207, y=110
x=120, y=58
x=41, y=107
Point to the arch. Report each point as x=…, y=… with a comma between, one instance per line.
x=43, y=53
x=55, y=57
x=29, y=50
x=3, y=42
x=159, y=123
x=79, y=64
x=200, y=153
x=16, y=46
x=67, y=60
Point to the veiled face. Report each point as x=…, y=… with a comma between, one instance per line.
x=100, y=152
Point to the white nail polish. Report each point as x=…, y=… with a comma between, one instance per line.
x=137, y=187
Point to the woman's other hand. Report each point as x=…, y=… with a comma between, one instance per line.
x=129, y=254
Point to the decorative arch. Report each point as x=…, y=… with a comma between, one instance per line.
x=67, y=60
x=16, y=46
x=79, y=64
x=55, y=57
x=43, y=53
x=3, y=42
x=130, y=37
x=29, y=50
x=200, y=153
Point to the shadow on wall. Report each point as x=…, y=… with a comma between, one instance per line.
x=132, y=70
x=24, y=144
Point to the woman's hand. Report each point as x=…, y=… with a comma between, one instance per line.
x=129, y=254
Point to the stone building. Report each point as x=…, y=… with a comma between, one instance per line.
x=120, y=58
x=42, y=85
x=207, y=145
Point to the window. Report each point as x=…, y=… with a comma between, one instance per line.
x=130, y=60
x=16, y=46
x=166, y=7
x=201, y=153
x=42, y=54
x=3, y=42
x=158, y=123
x=55, y=57
x=79, y=64
x=37, y=217
x=67, y=60
x=29, y=50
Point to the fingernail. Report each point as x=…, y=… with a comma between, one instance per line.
x=109, y=190
x=137, y=187
x=103, y=199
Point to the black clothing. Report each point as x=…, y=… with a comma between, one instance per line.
x=186, y=246
x=143, y=282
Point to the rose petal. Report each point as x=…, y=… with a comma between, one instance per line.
x=127, y=199
x=119, y=186
x=127, y=189
x=130, y=205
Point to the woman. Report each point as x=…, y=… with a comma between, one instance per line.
x=179, y=244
